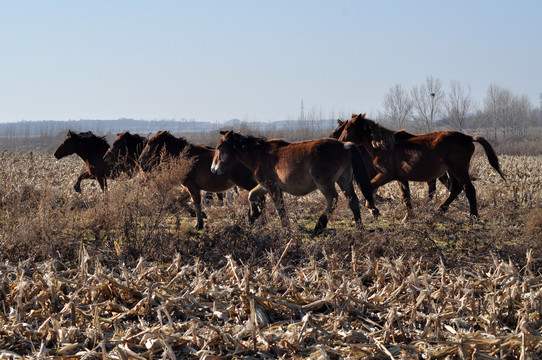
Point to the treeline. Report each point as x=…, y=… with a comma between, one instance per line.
x=500, y=116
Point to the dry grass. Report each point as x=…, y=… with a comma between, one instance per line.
x=125, y=274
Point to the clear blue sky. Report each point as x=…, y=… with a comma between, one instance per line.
x=254, y=60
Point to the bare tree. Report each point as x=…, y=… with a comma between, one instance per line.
x=397, y=107
x=459, y=105
x=428, y=100
x=522, y=111
x=498, y=108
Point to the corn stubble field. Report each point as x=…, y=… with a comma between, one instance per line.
x=126, y=275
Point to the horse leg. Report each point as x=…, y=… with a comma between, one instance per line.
x=405, y=194
x=182, y=198
x=256, y=198
x=195, y=194
x=84, y=175
x=431, y=189
x=220, y=197
x=207, y=198
x=378, y=180
x=331, y=196
x=278, y=200
x=102, y=181
x=470, y=192
x=455, y=189
x=353, y=201
x=445, y=180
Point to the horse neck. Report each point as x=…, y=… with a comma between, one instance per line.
x=253, y=155
x=175, y=146
x=134, y=147
x=91, y=151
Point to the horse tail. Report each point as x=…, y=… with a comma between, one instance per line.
x=490, y=153
x=360, y=172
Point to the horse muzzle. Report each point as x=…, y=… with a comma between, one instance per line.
x=215, y=169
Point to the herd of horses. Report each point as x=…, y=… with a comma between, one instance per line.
x=359, y=151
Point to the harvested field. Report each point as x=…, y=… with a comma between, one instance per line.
x=125, y=275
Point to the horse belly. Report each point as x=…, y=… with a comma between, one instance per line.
x=421, y=170
x=214, y=183
x=296, y=183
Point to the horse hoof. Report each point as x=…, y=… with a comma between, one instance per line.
x=77, y=189
x=317, y=230
x=375, y=212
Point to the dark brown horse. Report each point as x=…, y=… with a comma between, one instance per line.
x=123, y=154
x=200, y=176
x=420, y=158
x=296, y=168
x=368, y=160
x=91, y=149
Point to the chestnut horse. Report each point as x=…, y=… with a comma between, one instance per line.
x=296, y=168
x=368, y=160
x=123, y=154
x=91, y=149
x=420, y=158
x=200, y=176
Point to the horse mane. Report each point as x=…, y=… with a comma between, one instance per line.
x=381, y=137
x=241, y=141
x=177, y=144
x=169, y=137
x=89, y=138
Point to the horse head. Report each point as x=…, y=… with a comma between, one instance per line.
x=225, y=152
x=68, y=145
x=336, y=133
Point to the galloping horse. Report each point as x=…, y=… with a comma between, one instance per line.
x=296, y=168
x=420, y=158
x=123, y=154
x=368, y=160
x=91, y=149
x=200, y=176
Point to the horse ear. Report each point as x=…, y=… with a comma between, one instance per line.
x=354, y=115
x=363, y=115
x=223, y=132
x=339, y=122
x=70, y=133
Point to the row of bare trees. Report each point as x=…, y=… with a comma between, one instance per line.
x=426, y=106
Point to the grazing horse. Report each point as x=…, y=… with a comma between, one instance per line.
x=368, y=160
x=420, y=158
x=200, y=176
x=91, y=149
x=123, y=154
x=296, y=168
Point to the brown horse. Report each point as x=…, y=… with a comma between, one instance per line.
x=123, y=154
x=91, y=149
x=368, y=160
x=296, y=168
x=200, y=176
x=420, y=158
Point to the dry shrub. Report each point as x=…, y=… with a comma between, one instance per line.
x=533, y=224
x=142, y=217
